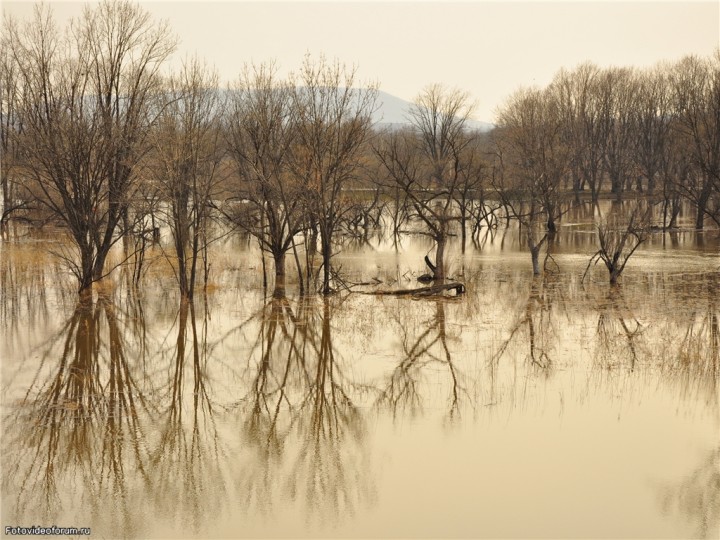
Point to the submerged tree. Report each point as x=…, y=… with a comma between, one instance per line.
x=261, y=130
x=11, y=126
x=185, y=162
x=618, y=241
x=696, y=101
x=470, y=193
x=533, y=157
x=582, y=114
x=85, y=104
x=432, y=162
x=333, y=124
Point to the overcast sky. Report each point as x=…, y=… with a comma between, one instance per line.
x=486, y=48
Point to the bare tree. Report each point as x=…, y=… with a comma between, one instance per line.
x=533, y=157
x=261, y=131
x=675, y=170
x=619, y=240
x=185, y=163
x=86, y=109
x=581, y=110
x=11, y=126
x=333, y=123
x=473, y=179
x=617, y=89
x=696, y=100
x=650, y=116
x=431, y=162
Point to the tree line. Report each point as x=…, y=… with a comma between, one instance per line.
x=98, y=138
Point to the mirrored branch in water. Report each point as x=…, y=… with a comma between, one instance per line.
x=331, y=469
x=406, y=386
x=617, y=326
x=81, y=425
x=536, y=317
x=188, y=479
x=299, y=418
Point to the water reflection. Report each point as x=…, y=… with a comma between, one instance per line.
x=617, y=330
x=695, y=363
x=425, y=354
x=697, y=496
x=187, y=481
x=245, y=415
x=300, y=417
x=79, y=428
x=31, y=285
x=537, y=321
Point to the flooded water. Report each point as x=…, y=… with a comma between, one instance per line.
x=546, y=407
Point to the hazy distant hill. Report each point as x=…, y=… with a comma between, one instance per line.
x=392, y=111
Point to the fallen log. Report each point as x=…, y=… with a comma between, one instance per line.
x=459, y=289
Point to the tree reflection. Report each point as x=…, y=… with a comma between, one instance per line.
x=329, y=468
x=421, y=355
x=79, y=427
x=101, y=427
x=536, y=318
x=300, y=416
x=695, y=362
x=30, y=284
x=267, y=407
x=188, y=481
x=617, y=326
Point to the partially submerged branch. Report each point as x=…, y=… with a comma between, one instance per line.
x=618, y=243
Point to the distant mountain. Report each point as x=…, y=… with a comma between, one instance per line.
x=391, y=109
x=393, y=112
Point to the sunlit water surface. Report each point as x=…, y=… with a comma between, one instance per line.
x=545, y=407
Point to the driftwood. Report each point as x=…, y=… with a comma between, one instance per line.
x=459, y=289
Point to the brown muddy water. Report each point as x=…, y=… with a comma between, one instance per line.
x=526, y=408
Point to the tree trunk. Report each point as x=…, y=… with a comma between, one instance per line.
x=279, y=260
x=674, y=213
x=440, y=256
x=535, y=255
x=181, y=263
x=617, y=186
x=326, y=253
x=301, y=283
x=6, y=198
x=98, y=268
x=86, y=270
x=552, y=228
x=312, y=241
x=534, y=248
x=458, y=288
x=702, y=206
x=463, y=224
x=195, y=252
